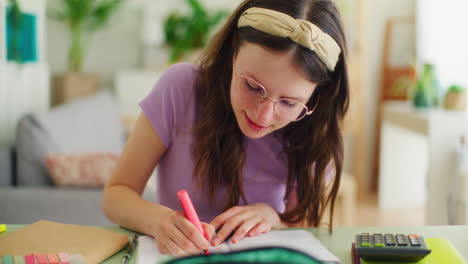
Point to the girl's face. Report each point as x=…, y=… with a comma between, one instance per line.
x=256, y=68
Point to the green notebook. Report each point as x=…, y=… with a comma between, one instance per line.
x=272, y=255
x=275, y=247
x=442, y=252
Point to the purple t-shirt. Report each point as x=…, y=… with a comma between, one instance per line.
x=170, y=107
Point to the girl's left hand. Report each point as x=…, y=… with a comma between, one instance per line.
x=250, y=220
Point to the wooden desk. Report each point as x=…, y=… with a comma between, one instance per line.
x=339, y=243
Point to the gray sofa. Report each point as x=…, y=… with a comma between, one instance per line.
x=87, y=125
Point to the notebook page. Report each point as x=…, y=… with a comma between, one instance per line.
x=221, y=248
x=148, y=253
x=300, y=240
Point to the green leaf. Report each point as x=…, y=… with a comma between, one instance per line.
x=14, y=17
x=81, y=16
x=456, y=88
x=100, y=14
x=198, y=10
x=184, y=33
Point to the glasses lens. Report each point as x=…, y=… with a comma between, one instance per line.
x=290, y=110
x=250, y=90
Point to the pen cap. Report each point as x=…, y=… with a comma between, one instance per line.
x=189, y=210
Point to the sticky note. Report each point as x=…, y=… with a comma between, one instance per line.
x=30, y=259
x=77, y=259
x=64, y=258
x=18, y=259
x=41, y=259
x=7, y=260
x=53, y=259
x=3, y=228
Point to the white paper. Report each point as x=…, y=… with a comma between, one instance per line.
x=299, y=240
x=147, y=252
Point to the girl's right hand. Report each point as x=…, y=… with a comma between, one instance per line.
x=176, y=235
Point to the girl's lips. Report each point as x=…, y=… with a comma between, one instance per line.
x=253, y=125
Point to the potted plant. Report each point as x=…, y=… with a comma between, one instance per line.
x=426, y=88
x=82, y=18
x=455, y=98
x=187, y=33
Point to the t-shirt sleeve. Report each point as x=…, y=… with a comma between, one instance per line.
x=167, y=102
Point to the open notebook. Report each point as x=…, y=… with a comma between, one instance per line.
x=299, y=240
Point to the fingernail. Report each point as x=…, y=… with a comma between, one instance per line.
x=235, y=239
x=215, y=241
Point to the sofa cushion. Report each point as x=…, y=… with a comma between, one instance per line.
x=6, y=168
x=90, y=124
x=32, y=143
x=81, y=169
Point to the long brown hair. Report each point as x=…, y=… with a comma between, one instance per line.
x=310, y=144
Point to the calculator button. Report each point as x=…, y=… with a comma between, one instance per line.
x=402, y=242
x=415, y=242
x=365, y=240
x=378, y=240
x=389, y=240
x=365, y=244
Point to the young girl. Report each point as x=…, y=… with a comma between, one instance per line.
x=252, y=132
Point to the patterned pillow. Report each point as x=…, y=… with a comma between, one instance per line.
x=81, y=169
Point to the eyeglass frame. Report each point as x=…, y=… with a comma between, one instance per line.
x=275, y=101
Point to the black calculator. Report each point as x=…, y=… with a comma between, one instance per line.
x=391, y=247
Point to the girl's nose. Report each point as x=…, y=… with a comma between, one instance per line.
x=265, y=112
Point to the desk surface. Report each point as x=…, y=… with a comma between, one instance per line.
x=339, y=243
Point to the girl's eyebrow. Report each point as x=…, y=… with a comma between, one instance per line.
x=250, y=75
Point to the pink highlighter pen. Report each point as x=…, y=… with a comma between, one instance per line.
x=191, y=214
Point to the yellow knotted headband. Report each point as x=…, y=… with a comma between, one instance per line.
x=300, y=31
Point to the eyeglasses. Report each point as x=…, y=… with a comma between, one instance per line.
x=251, y=91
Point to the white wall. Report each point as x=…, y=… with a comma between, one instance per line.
x=443, y=38
x=378, y=11
x=119, y=46
x=110, y=49
x=23, y=87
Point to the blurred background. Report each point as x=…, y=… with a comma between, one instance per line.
x=72, y=73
